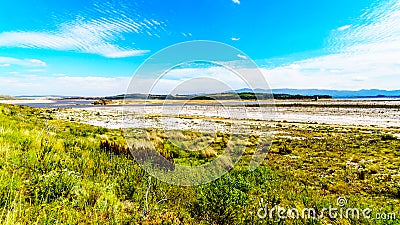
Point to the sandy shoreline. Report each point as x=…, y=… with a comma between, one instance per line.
x=203, y=115
x=188, y=117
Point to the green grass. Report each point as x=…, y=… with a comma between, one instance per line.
x=57, y=172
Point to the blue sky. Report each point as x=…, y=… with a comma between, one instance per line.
x=94, y=47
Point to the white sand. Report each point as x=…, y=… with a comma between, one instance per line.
x=204, y=117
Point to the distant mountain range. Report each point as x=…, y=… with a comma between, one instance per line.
x=288, y=91
x=333, y=93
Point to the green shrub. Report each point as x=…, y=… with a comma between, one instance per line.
x=53, y=185
x=221, y=201
x=388, y=137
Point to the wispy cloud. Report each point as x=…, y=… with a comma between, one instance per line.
x=186, y=34
x=236, y=1
x=97, y=36
x=8, y=61
x=36, y=62
x=345, y=27
x=235, y=39
x=375, y=29
x=241, y=56
x=364, y=55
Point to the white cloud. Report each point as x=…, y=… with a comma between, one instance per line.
x=5, y=65
x=360, y=78
x=182, y=80
x=345, y=27
x=8, y=61
x=63, y=85
x=59, y=75
x=94, y=36
x=192, y=80
x=241, y=56
x=37, y=62
x=235, y=39
x=186, y=34
x=338, y=71
x=36, y=70
x=201, y=80
x=236, y=2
